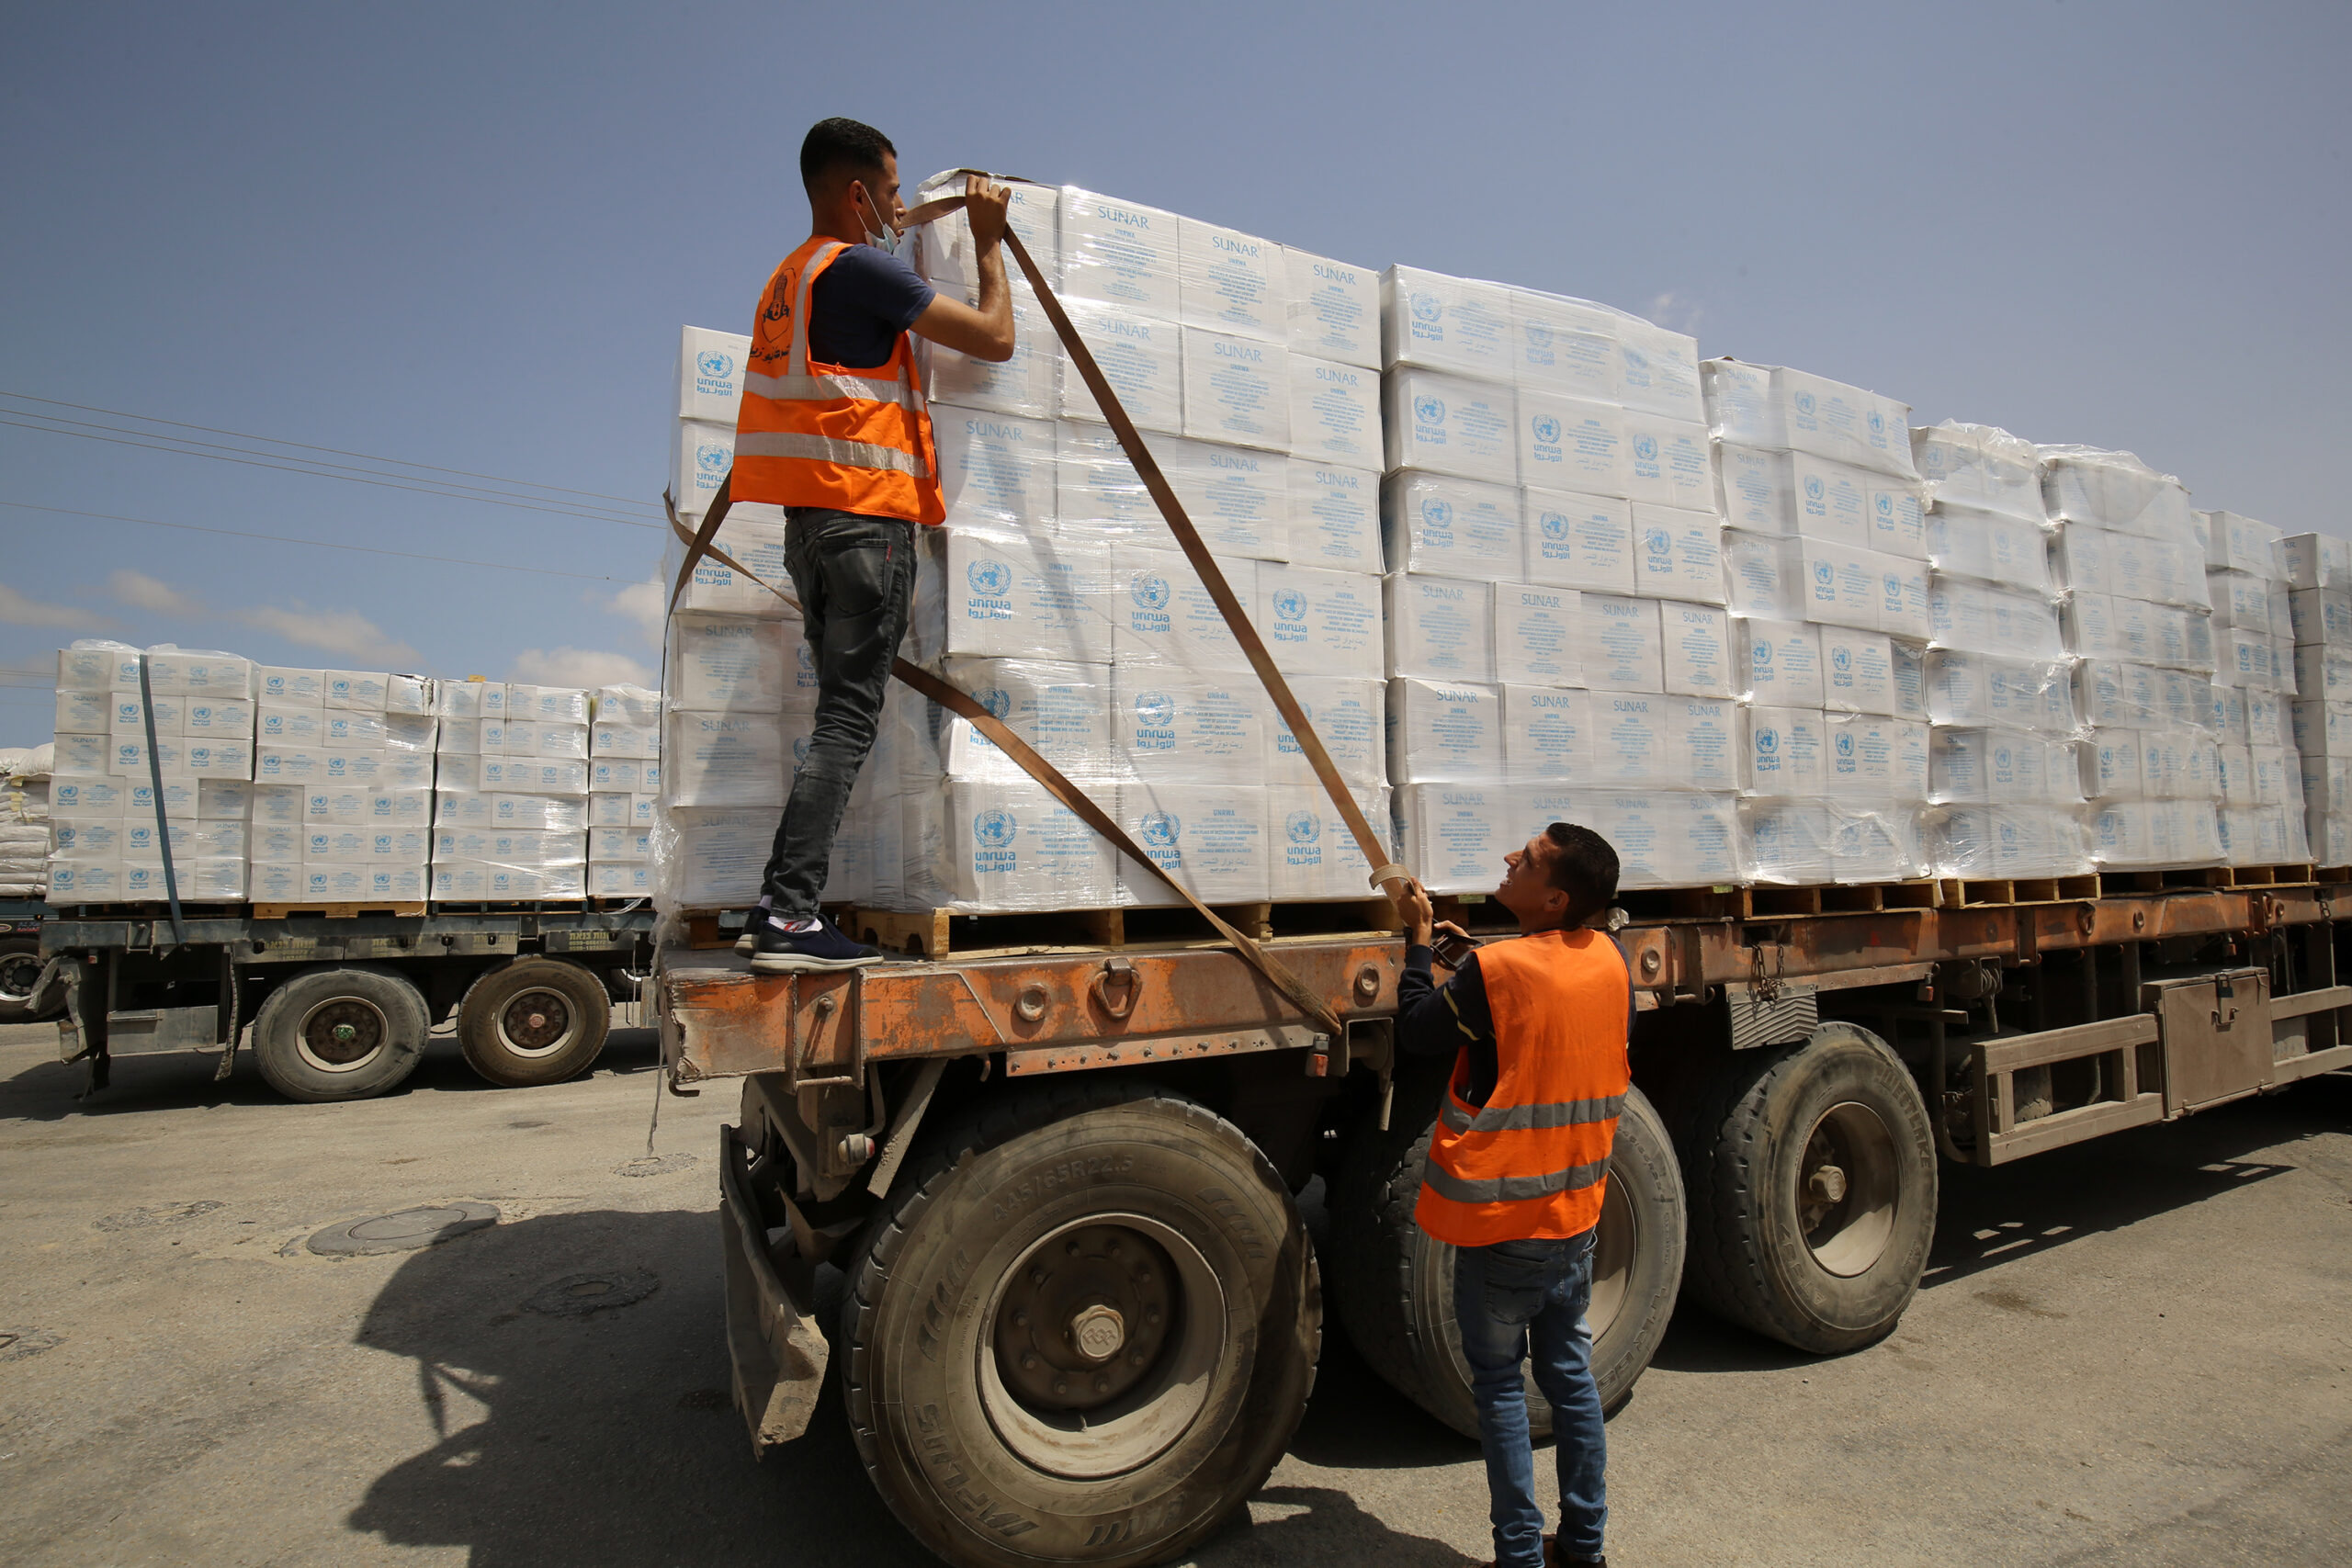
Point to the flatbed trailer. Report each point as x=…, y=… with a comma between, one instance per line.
x=338, y=1006
x=1081, y=1314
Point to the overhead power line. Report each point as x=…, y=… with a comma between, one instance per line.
x=314, y=544
x=306, y=446
x=180, y=446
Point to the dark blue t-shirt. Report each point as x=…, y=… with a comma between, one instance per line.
x=859, y=305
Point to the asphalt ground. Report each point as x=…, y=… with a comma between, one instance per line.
x=2134, y=1351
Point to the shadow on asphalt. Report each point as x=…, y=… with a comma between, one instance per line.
x=608, y=1440
x=53, y=1090
x=1986, y=1218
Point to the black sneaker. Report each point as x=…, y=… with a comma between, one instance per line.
x=775, y=951
x=749, y=943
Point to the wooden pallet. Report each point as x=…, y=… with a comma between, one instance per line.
x=1852, y=898
x=937, y=932
x=2204, y=877
x=511, y=906
x=334, y=911
x=1959, y=892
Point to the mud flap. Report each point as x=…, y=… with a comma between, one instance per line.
x=778, y=1351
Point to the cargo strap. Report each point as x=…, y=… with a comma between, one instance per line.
x=163, y=825
x=699, y=543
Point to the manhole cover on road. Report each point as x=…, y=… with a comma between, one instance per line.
x=161, y=1214
x=404, y=1231
x=578, y=1295
x=655, y=1165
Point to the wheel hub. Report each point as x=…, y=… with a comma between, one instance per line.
x=19, y=973
x=1846, y=1183
x=342, y=1033
x=536, y=1021
x=1084, y=1318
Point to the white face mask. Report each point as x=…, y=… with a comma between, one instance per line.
x=888, y=241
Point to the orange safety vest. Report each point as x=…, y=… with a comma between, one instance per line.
x=831, y=436
x=1533, y=1161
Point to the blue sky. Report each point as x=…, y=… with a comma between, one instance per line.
x=466, y=236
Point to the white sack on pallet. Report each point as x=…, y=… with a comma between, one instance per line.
x=1177, y=725
x=1450, y=425
x=1161, y=611
x=1350, y=717
x=1445, y=323
x=1316, y=622
x=1211, y=838
x=1334, y=309
x=1438, y=629
x=1577, y=541
x=1766, y=406
x=1777, y=663
x=1334, y=517
x=1445, y=526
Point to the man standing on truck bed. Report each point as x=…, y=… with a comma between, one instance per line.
x=1519, y=1161
x=834, y=428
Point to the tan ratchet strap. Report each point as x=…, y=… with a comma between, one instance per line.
x=1052, y=778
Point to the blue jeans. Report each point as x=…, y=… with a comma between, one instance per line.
x=855, y=577
x=1526, y=1300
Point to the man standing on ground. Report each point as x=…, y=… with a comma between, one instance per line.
x=834, y=428
x=1518, y=1162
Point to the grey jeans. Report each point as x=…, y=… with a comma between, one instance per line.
x=855, y=577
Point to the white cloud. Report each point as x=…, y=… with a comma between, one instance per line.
x=17, y=610
x=142, y=591
x=645, y=605
x=1678, y=312
x=587, y=667
x=333, y=631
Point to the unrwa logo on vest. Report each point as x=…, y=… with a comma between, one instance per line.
x=1290, y=605
x=994, y=829
x=1303, y=827
x=1149, y=592
x=988, y=576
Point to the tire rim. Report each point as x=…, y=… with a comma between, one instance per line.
x=538, y=1022
x=1846, y=1185
x=19, y=972
x=1615, y=1242
x=1103, y=1340
x=341, y=1034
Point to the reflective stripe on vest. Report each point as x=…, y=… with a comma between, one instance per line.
x=815, y=435
x=1533, y=1161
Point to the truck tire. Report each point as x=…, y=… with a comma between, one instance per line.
x=20, y=965
x=1395, y=1283
x=340, y=1031
x=1082, y=1329
x=1812, y=1171
x=534, y=1020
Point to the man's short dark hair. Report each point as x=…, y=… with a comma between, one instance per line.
x=836, y=147
x=1584, y=867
